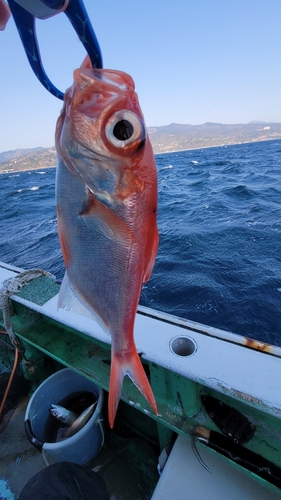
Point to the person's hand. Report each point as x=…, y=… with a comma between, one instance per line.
x=4, y=14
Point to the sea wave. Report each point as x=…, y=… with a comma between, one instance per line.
x=219, y=218
x=33, y=188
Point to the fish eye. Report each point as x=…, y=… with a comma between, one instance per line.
x=124, y=128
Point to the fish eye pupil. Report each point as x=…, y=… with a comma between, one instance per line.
x=123, y=130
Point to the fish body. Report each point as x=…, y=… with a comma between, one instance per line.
x=65, y=416
x=80, y=421
x=106, y=195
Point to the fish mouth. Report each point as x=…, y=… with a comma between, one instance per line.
x=103, y=106
x=94, y=90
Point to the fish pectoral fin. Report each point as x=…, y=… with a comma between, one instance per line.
x=152, y=254
x=69, y=299
x=110, y=223
x=151, y=262
x=63, y=244
x=127, y=363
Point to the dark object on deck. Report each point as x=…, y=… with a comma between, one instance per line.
x=230, y=421
x=65, y=481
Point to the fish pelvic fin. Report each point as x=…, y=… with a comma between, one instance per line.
x=127, y=363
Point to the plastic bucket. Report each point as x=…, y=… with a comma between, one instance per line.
x=82, y=446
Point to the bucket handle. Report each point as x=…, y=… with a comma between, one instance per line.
x=30, y=436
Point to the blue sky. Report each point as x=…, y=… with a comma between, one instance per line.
x=192, y=62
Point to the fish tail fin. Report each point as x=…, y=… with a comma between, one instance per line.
x=127, y=363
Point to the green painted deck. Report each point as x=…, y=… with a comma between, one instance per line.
x=128, y=461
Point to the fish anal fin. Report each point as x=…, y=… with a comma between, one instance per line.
x=70, y=300
x=127, y=363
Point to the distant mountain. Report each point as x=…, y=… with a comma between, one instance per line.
x=16, y=153
x=32, y=160
x=173, y=137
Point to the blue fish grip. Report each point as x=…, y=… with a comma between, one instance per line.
x=79, y=19
x=54, y=4
x=77, y=15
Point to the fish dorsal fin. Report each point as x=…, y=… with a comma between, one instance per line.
x=69, y=300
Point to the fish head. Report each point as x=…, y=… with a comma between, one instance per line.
x=101, y=129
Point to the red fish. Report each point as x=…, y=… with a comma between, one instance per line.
x=106, y=191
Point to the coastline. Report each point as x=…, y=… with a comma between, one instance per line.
x=26, y=170
x=218, y=146
x=42, y=165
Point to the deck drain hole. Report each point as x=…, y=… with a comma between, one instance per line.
x=183, y=346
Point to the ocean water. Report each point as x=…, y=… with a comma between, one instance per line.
x=219, y=260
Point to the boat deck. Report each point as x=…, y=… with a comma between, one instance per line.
x=184, y=360
x=127, y=461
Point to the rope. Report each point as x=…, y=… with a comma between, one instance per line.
x=10, y=379
x=11, y=287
